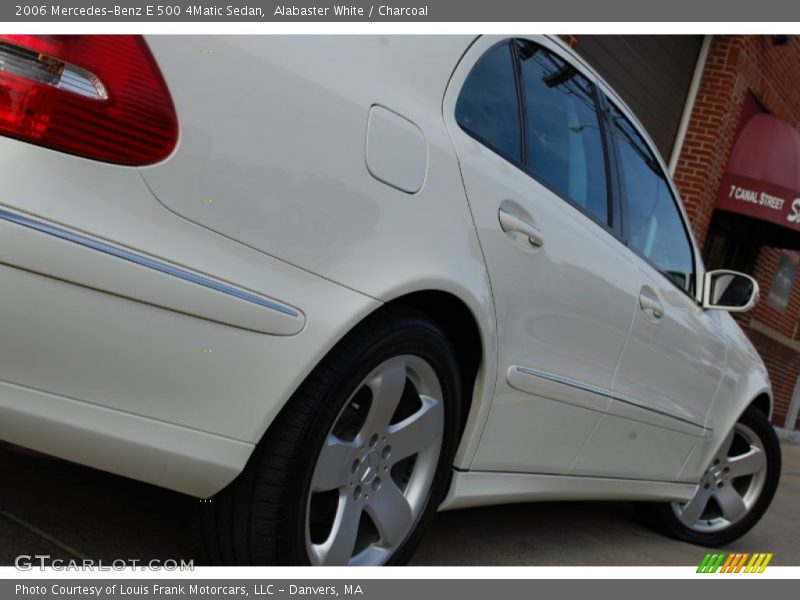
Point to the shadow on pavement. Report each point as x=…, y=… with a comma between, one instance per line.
x=48, y=506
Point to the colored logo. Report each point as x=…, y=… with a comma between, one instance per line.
x=737, y=562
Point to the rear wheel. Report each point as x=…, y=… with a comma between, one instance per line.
x=357, y=462
x=735, y=490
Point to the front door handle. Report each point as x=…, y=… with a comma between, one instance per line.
x=511, y=223
x=649, y=303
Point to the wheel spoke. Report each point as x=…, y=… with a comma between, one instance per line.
x=731, y=503
x=391, y=513
x=693, y=510
x=418, y=431
x=749, y=463
x=333, y=464
x=725, y=447
x=352, y=483
x=338, y=548
x=387, y=388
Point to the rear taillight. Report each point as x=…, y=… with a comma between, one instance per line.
x=98, y=96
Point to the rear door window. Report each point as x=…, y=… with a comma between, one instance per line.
x=488, y=105
x=563, y=143
x=656, y=230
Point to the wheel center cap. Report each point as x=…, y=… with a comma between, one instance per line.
x=715, y=474
x=369, y=468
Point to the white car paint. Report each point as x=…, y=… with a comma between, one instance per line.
x=316, y=179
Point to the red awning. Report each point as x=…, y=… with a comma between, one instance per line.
x=762, y=177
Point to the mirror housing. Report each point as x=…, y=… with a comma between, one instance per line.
x=729, y=290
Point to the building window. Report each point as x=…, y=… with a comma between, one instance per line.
x=730, y=243
x=782, y=282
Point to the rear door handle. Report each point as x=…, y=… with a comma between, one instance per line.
x=511, y=223
x=649, y=303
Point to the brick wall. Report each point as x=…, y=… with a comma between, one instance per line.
x=735, y=67
x=783, y=365
x=786, y=322
x=570, y=40
x=783, y=362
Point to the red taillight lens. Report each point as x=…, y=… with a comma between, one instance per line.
x=98, y=96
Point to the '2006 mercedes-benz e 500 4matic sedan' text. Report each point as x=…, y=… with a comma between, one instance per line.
x=335, y=284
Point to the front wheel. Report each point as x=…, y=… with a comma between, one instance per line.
x=735, y=490
x=356, y=463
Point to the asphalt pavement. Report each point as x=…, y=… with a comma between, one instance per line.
x=48, y=506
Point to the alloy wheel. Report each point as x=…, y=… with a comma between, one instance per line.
x=373, y=476
x=730, y=487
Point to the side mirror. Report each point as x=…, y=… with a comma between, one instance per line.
x=729, y=290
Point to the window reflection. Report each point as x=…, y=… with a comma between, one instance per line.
x=488, y=105
x=655, y=226
x=564, y=144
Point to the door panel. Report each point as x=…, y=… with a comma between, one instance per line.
x=675, y=356
x=666, y=380
x=563, y=309
x=564, y=291
x=672, y=365
x=632, y=449
x=673, y=361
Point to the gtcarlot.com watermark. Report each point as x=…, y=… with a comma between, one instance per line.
x=28, y=562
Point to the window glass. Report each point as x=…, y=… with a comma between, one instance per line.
x=488, y=105
x=655, y=226
x=564, y=145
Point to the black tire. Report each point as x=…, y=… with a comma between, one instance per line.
x=259, y=519
x=663, y=517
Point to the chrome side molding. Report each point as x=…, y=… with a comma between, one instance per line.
x=150, y=263
x=599, y=391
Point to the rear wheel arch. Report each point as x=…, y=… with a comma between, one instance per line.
x=763, y=402
x=256, y=518
x=458, y=322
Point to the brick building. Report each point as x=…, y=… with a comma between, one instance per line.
x=725, y=114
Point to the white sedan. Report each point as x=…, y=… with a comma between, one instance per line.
x=333, y=284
